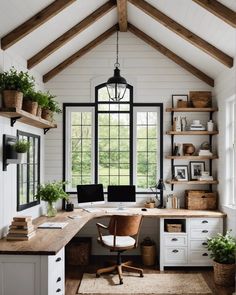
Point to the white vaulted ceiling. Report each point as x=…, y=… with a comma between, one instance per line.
x=186, y=12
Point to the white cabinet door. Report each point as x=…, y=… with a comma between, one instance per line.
x=19, y=274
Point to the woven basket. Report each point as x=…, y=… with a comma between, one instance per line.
x=12, y=99
x=39, y=111
x=171, y=228
x=47, y=115
x=224, y=274
x=30, y=107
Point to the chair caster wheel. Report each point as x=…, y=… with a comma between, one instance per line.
x=97, y=275
x=121, y=282
x=141, y=275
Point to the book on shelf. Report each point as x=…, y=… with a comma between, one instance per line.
x=205, y=178
x=205, y=153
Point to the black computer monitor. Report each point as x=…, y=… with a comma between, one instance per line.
x=121, y=194
x=90, y=193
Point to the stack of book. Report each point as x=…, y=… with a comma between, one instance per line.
x=197, y=127
x=205, y=153
x=21, y=229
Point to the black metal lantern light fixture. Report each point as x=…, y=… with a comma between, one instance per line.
x=116, y=85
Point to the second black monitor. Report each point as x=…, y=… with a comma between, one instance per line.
x=121, y=193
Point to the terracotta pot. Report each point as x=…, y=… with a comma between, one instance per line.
x=30, y=107
x=47, y=115
x=12, y=99
x=224, y=274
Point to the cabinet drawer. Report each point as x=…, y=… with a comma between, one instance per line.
x=175, y=240
x=203, y=234
x=198, y=245
x=200, y=258
x=176, y=255
x=202, y=223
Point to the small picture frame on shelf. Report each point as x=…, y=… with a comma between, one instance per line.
x=196, y=169
x=181, y=172
x=179, y=101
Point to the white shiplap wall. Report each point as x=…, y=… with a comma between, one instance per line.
x=8, y=197
x=154, y=78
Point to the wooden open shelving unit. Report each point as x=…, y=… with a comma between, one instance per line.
x=191, y=110
x=24, y=117
x=192, y=182
x=192, y=132
x=194, y=158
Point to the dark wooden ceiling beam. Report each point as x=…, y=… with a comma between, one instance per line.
x=171, y=55
x=71, y=33
x=34, y=22
x=79, y=53
x=183, y=32
x=122, y=15
x=219, y=10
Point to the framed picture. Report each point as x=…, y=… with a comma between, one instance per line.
x=181, y=172
x=179, y=100
x=196, y=169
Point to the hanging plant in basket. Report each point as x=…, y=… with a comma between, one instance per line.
x=13, y=86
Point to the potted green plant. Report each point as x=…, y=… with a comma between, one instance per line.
x=42, y=99
x=51, y=108
x=21, y=147
x=30, y=102
x=222, y=249
x=51, y=192
x=13, y=86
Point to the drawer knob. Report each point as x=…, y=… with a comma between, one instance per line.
x=204, y=244
x=174, y=239
x=205, y=231
x=58, y=290
x=175, y=251
x=58, y=259
x=204, y=254
x=204, y=221
x=58, y=279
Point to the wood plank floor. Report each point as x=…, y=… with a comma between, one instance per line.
x=74, y=274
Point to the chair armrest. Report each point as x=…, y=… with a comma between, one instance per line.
x=101, y=226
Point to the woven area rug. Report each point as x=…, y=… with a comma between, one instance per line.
x=162, y=284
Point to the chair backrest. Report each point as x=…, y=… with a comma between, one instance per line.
x=121, y=225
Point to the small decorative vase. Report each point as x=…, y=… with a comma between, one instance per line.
x=51, y=209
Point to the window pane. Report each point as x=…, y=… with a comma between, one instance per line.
x=146, y=149
x=28, y=172
x=113, y=143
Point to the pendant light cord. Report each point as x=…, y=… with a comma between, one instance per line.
x=117, y=51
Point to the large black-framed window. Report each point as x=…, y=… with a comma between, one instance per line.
x=125, y=142
x=28, y=172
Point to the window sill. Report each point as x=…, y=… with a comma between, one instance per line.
x=230, y=209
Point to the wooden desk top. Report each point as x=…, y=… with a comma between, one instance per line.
x=50, y=241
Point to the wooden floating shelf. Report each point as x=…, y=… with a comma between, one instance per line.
x=192, y=157
x=191, y=110
x=24, y=117
x=192, y=132
x=192, y=182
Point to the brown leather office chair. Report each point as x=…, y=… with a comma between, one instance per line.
x=123, y=235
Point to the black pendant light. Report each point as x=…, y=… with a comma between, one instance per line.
x=116, y=85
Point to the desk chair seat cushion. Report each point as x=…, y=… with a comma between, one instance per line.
x=121, y=241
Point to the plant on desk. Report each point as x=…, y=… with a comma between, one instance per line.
x=51, y=192
x=222, y=250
